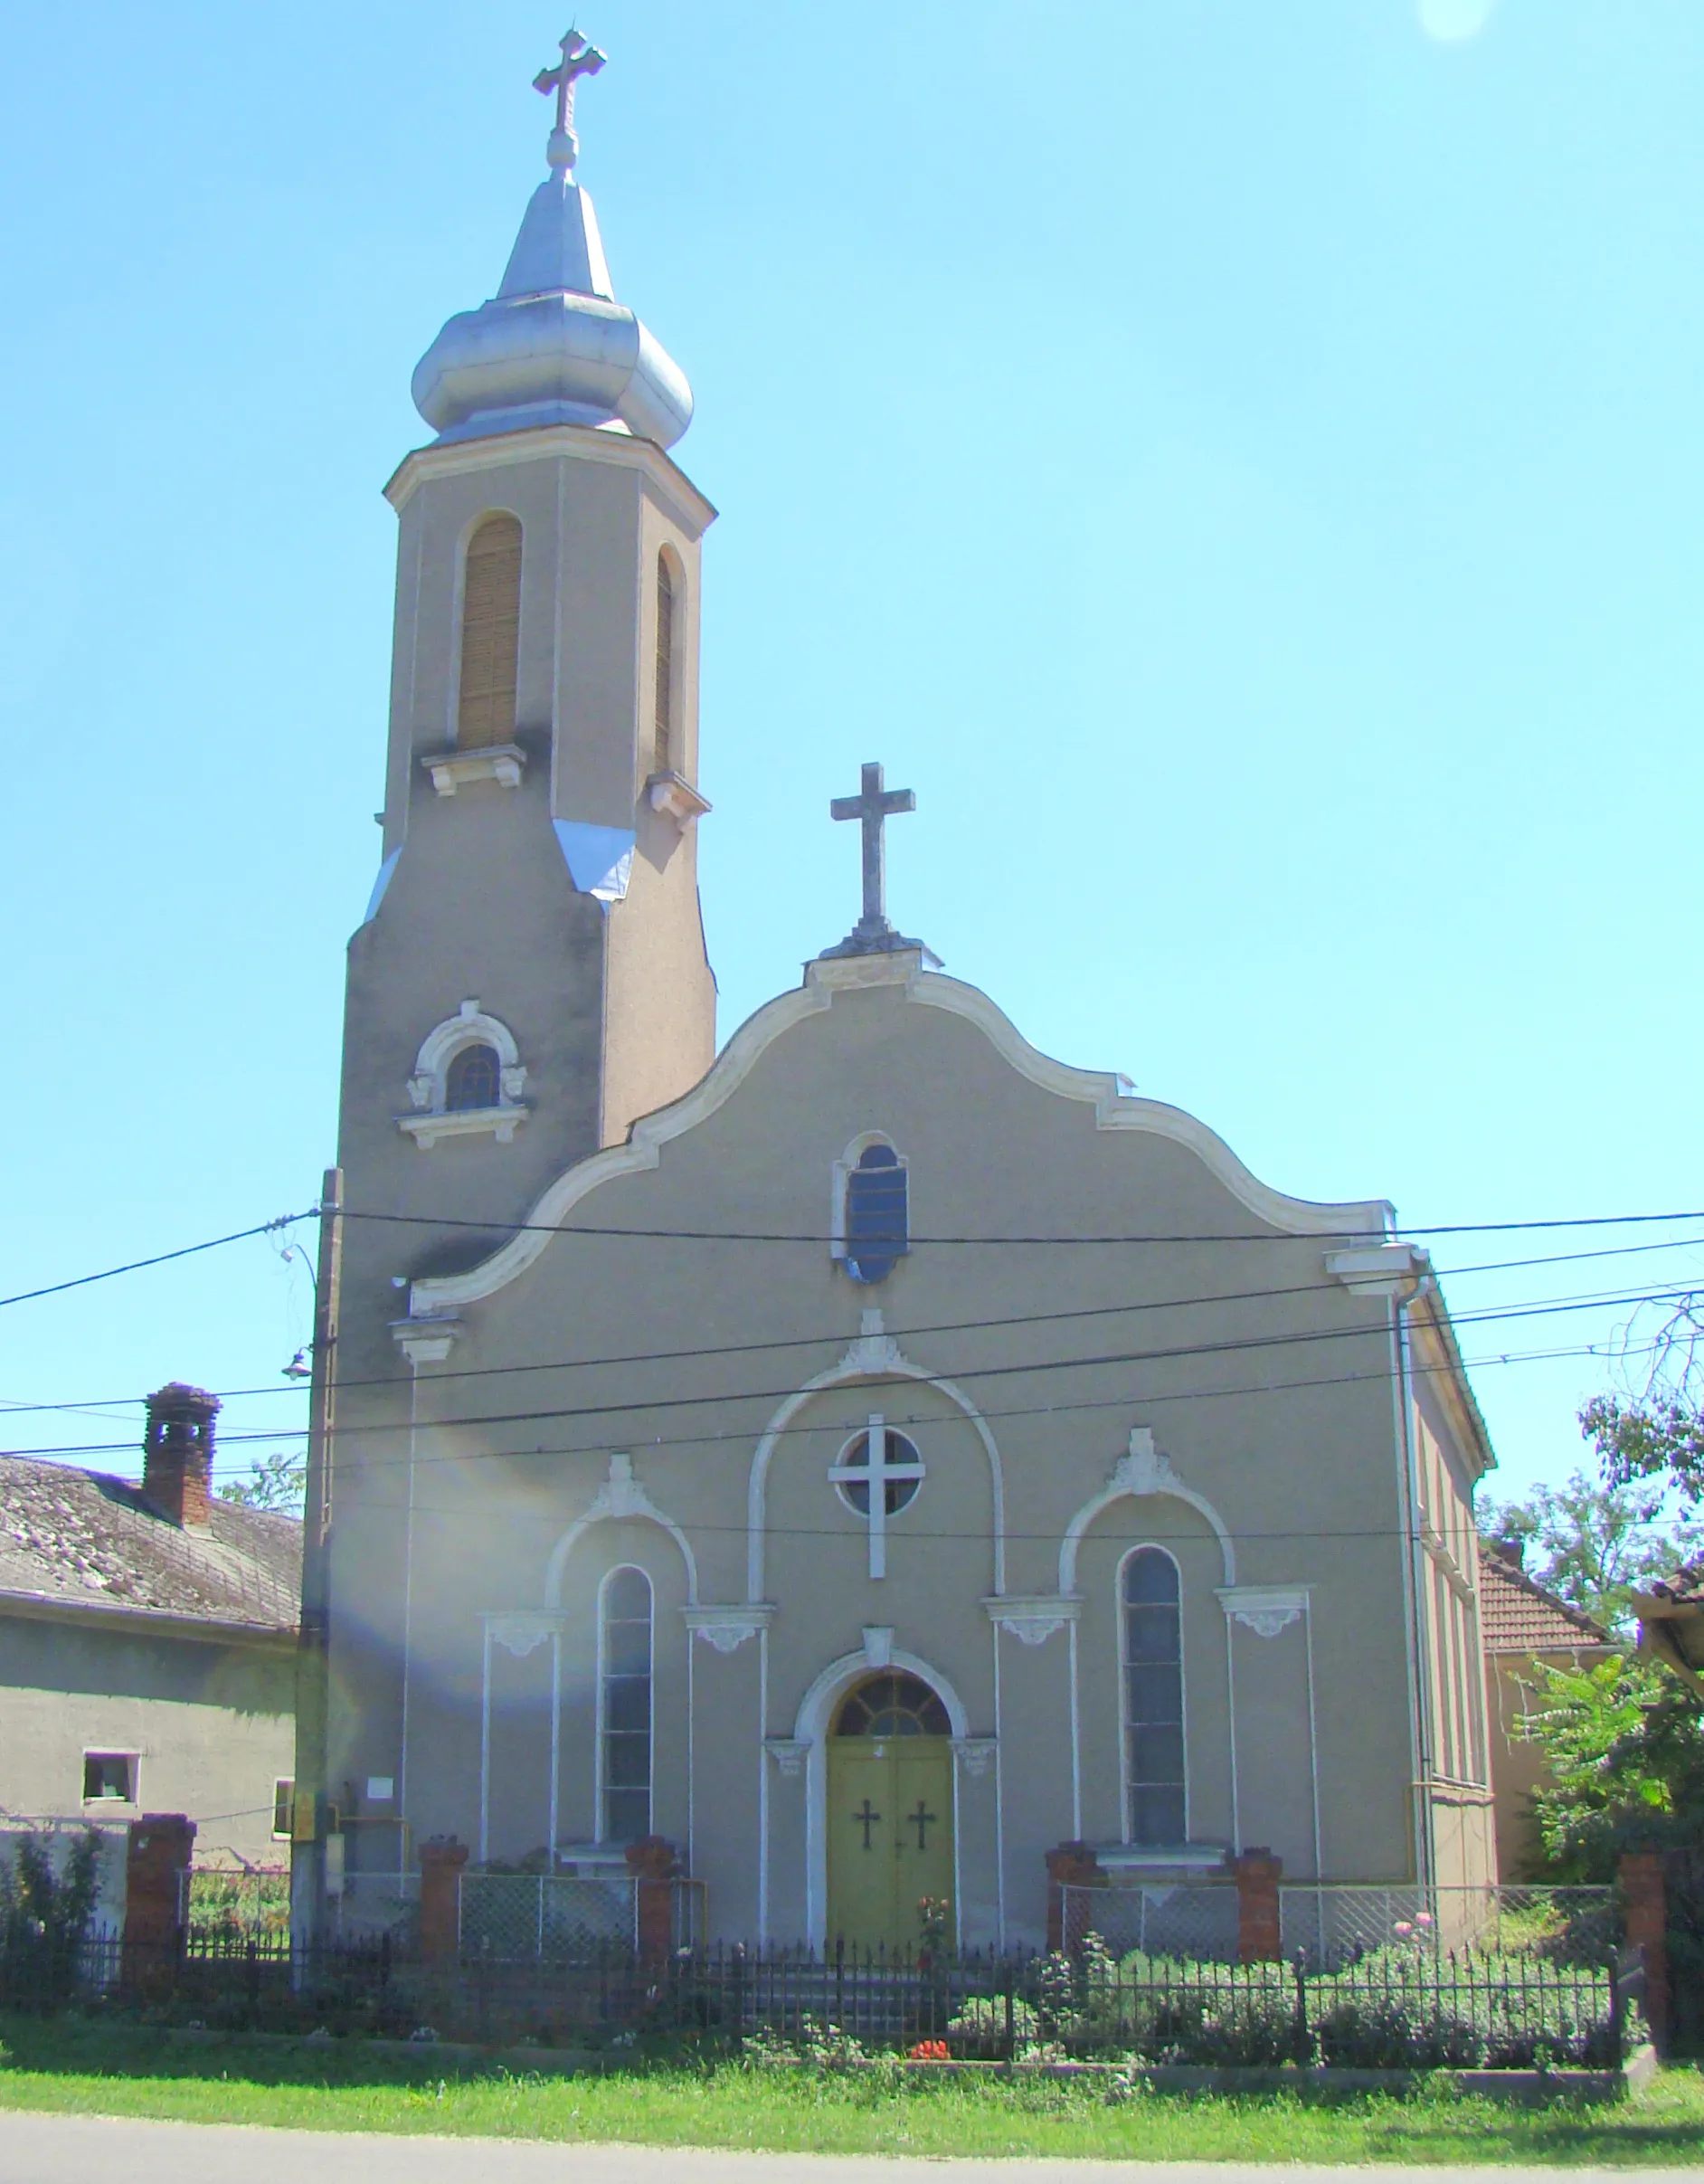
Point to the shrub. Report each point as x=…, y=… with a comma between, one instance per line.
x=44, y=1919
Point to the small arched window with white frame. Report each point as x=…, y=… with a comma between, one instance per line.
x=468, y=1081
x=870, y=1218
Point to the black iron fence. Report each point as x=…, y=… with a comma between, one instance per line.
x=1402, y=2007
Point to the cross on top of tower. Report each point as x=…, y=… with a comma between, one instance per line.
x=872, y=807
x=580, y=58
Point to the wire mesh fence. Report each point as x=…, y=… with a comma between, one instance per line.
x=237, y=1900
x=511, y=1916
x=1335, y=1925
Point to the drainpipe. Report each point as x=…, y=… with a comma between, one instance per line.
x=1413, y=1616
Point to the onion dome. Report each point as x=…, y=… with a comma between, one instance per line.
x=552, y=346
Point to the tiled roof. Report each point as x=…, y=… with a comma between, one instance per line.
x=80, y=1536
x=1518, y=1616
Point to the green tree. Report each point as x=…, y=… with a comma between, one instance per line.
x=1594, y=1544
x=278, y=1481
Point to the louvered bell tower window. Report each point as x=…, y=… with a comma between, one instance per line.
x=877, y=1214
x=490, y=635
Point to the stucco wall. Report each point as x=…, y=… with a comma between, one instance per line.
x=213, y=1726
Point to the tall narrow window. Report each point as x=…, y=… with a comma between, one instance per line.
x=625, y=1707
x=877, y=1214
x=663, y=751
x=1152, y=1650
x=490, y=634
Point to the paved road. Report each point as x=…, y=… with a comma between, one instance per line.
x=79, y=2149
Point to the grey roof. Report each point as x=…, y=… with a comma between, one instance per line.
x=84, y=1538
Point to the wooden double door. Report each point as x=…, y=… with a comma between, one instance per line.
x=890, y=1836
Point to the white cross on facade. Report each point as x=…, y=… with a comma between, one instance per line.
x=873, y=1475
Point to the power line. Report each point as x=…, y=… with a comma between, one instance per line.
x=1147, y=1398
x=821, y=1238
x=161, y=1259
x=1123, y=1401
x=649, y=1404
x=91, y=1404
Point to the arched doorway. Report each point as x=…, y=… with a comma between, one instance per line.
x=890, y=1819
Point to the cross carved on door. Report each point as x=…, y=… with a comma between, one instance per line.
x=923, y=1820
x=866, y=1819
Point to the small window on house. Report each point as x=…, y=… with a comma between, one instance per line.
x=283, y=1809
x=663, y=741
x=109, y=1776
x=877, y=1214
x=472, y=1080
x=1152, y=1648
x=490, y=635
x=625, y=1707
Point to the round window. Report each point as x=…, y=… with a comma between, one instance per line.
x=902, y=1472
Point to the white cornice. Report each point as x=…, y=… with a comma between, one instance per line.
x=1114, y=1109
x=539, y=443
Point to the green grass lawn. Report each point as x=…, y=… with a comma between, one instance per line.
x=81, y=2068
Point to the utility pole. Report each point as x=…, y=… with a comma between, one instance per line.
x=310, y=1809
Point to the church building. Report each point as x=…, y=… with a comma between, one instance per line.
x=869, y=1457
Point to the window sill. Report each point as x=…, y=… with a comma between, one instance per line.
x=500, y=1123
x=674, y=793
x=450, y=770
x=1178, y=1857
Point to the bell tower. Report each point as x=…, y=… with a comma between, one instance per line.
x=530, y=974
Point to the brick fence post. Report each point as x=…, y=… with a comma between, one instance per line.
x=1070, y=1866
x=1643, y=1901
x=157, y=1858
x=655, y=1868
x=441, y=1859
x=1259, y=1927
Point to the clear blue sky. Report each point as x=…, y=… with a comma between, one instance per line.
x=1241, y=464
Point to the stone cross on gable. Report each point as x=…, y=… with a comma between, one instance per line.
x=872, y=807
x=873, y=1474
x=580, y=58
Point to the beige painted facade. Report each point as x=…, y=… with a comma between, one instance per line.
x=207, y=1716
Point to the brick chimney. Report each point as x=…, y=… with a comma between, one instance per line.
x=1512, y=1548
x=178, y=1454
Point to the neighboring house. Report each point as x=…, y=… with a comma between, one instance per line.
x=1525, y=1628
x=876, y=1457
x=1671, y=1625
x=147, y=1644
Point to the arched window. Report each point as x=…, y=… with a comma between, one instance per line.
x=474, y=1080
x=1151, y=1650
x=876, y=1215
x=893, y=1705
x=490, y=634
x=663, y=745
x=624, y=1707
